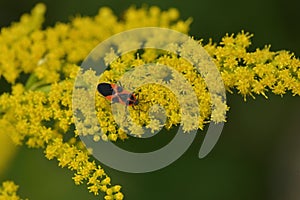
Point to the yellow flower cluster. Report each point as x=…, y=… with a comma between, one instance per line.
x=39, y=112
x=256, y=72
x=8, y=191
x=77, y=160
x=169, y=91
x=41, y=120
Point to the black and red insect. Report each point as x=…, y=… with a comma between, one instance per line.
x=117, y=94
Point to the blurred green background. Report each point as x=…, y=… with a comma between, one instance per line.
x=257, y=154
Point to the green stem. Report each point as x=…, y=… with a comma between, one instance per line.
x=33, y=83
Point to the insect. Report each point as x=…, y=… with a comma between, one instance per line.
x=117, y=94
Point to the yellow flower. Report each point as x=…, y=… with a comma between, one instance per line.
x=39, y=113
x=8, y=191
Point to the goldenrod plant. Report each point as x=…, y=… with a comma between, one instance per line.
x=38, y=112
x=8, y=191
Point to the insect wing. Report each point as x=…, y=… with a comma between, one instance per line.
x=116, y=94
x=124, y=97
x=105, y=89
x=117, y=89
